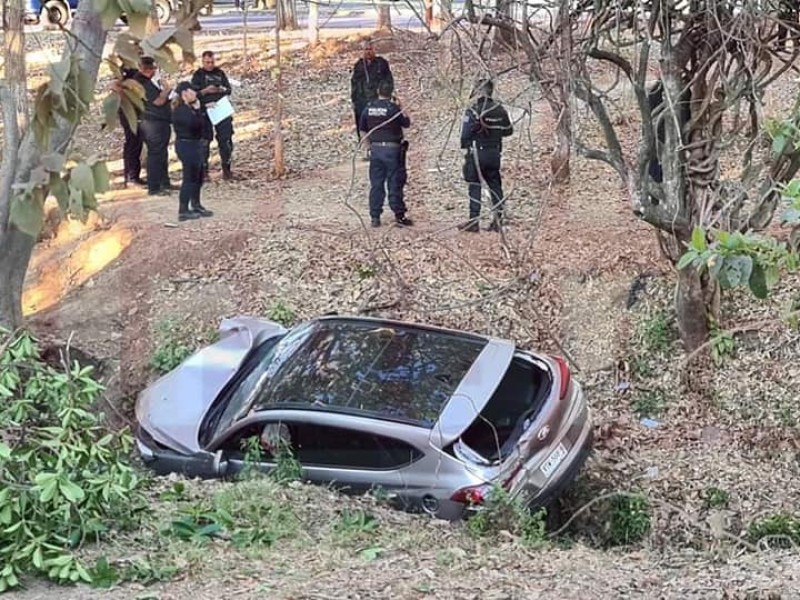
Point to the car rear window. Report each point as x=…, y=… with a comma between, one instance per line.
x=396, y=371
x=516, y=400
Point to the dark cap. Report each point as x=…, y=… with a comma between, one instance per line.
x=183, y=86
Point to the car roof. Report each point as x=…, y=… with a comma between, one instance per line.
x=406, y=372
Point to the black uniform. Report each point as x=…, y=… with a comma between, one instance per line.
x=200, y=80
x=483, y=128
x=132, y=149
x=192, y=130
x=364, y=84
x=154, y=126
x=385, y=122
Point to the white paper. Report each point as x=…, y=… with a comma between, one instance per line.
x=234, y=82
x=221, y=110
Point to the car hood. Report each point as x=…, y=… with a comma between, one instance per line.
x=474, y=391
x=172, y=408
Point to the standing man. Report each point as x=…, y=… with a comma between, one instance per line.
x=383, y=122
x=213, y=85
x=154, y=127
x=483, y=128
x=368, y=73
x=132, y=149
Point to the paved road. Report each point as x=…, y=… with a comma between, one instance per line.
x=350, y=16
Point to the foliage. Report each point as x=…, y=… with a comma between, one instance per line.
x=64, y=478
x=656, y=333
x=722, y=345
x=649, y=403
x=629, y=519
x=740, y=259
x=355, y=522
x=141, y=570
x=282, y=313
x=171, y=349
x=66, y=97
x=716, y=497
x=781, y=525
x=502, y=512
x=287, y=467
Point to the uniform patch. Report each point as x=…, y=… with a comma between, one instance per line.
x=377, y=111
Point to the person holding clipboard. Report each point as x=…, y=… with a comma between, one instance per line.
x=214, y=88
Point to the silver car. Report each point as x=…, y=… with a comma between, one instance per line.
x=435, y=418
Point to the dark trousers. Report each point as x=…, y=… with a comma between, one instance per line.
x=224, y=131
x=358, y=108
x=131, y=151
x=156, y=137
x=489, y=165
x=190, y=153
x=386, y=173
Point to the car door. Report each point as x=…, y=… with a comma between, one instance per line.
x=352, y=459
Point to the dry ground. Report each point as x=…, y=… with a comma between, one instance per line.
x=559, y=280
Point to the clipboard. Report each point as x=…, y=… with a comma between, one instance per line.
x=221, y=110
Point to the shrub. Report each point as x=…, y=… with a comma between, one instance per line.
x=65, y=479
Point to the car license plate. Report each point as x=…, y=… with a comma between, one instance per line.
x=556, y=457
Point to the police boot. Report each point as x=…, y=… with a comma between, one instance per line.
x=403, y=221
x=227, y=175
x=201, y=210
x=185, y=213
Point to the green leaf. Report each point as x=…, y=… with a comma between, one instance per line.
x=110, y=15
x=60, y=191
x=59, y=73
x=687, y=259
x=27, y=214
x=137, y=23
x=371, y=553
x=101, y=178
x=129, y=112
x=76, y=203
x=85, y=87
x=111, y=110
x=82, y=178
x=737, y=270
x=699, y=240
x=758, y=281
x=71, y=492
x=779, y=143
x=5, y=451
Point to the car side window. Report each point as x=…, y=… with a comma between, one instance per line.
x=325, y=446
x=247, y=441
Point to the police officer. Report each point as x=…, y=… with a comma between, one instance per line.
x=368, y=73
x=155, y=127
x=132, y=149
x=383, y=121
x=483, y=128
x=213, y=85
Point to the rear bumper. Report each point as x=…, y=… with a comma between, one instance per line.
x=579, y=454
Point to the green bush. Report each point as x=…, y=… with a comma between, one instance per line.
x=501, y=512
x=64, y=478
x=783, y=528
x=629, y=520
x=171, y=350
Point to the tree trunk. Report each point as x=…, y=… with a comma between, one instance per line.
x=442, y=13
x=278, y=168
x=691, y=309
x=384, y=17
x=287, y=14
x=313, y=23
x=86, y=41
x=560, y=161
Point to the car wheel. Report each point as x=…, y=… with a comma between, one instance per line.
x=164, y=11
x=55, y=13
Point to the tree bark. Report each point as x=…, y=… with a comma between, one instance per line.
x=384, y=17
x=16, y=247
x=287, y=14
x=691, y=309
x=313, y=23
x=560, y=161
x=278, y=168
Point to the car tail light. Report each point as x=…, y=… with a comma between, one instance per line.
x=564, y=376
x=473, y=495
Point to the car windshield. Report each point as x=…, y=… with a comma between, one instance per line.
x=264, y=363
x=396, y=371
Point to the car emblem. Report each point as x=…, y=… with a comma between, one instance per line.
x=543, y=433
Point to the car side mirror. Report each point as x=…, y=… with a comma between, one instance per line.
x=220, y=464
